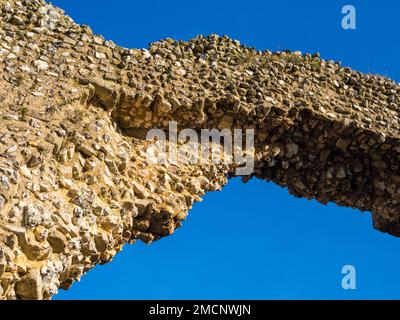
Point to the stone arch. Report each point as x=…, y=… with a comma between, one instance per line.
x=75, y=184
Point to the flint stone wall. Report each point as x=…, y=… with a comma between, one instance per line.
x=75, y=185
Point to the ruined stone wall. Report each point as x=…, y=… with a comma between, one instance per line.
x=75, y=184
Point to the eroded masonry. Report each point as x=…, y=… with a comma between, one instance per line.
x=75, y=185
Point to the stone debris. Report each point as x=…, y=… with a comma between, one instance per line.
x=75, y=184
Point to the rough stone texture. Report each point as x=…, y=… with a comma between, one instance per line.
x=75, y=185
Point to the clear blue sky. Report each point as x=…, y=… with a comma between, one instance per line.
x=254, y=241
